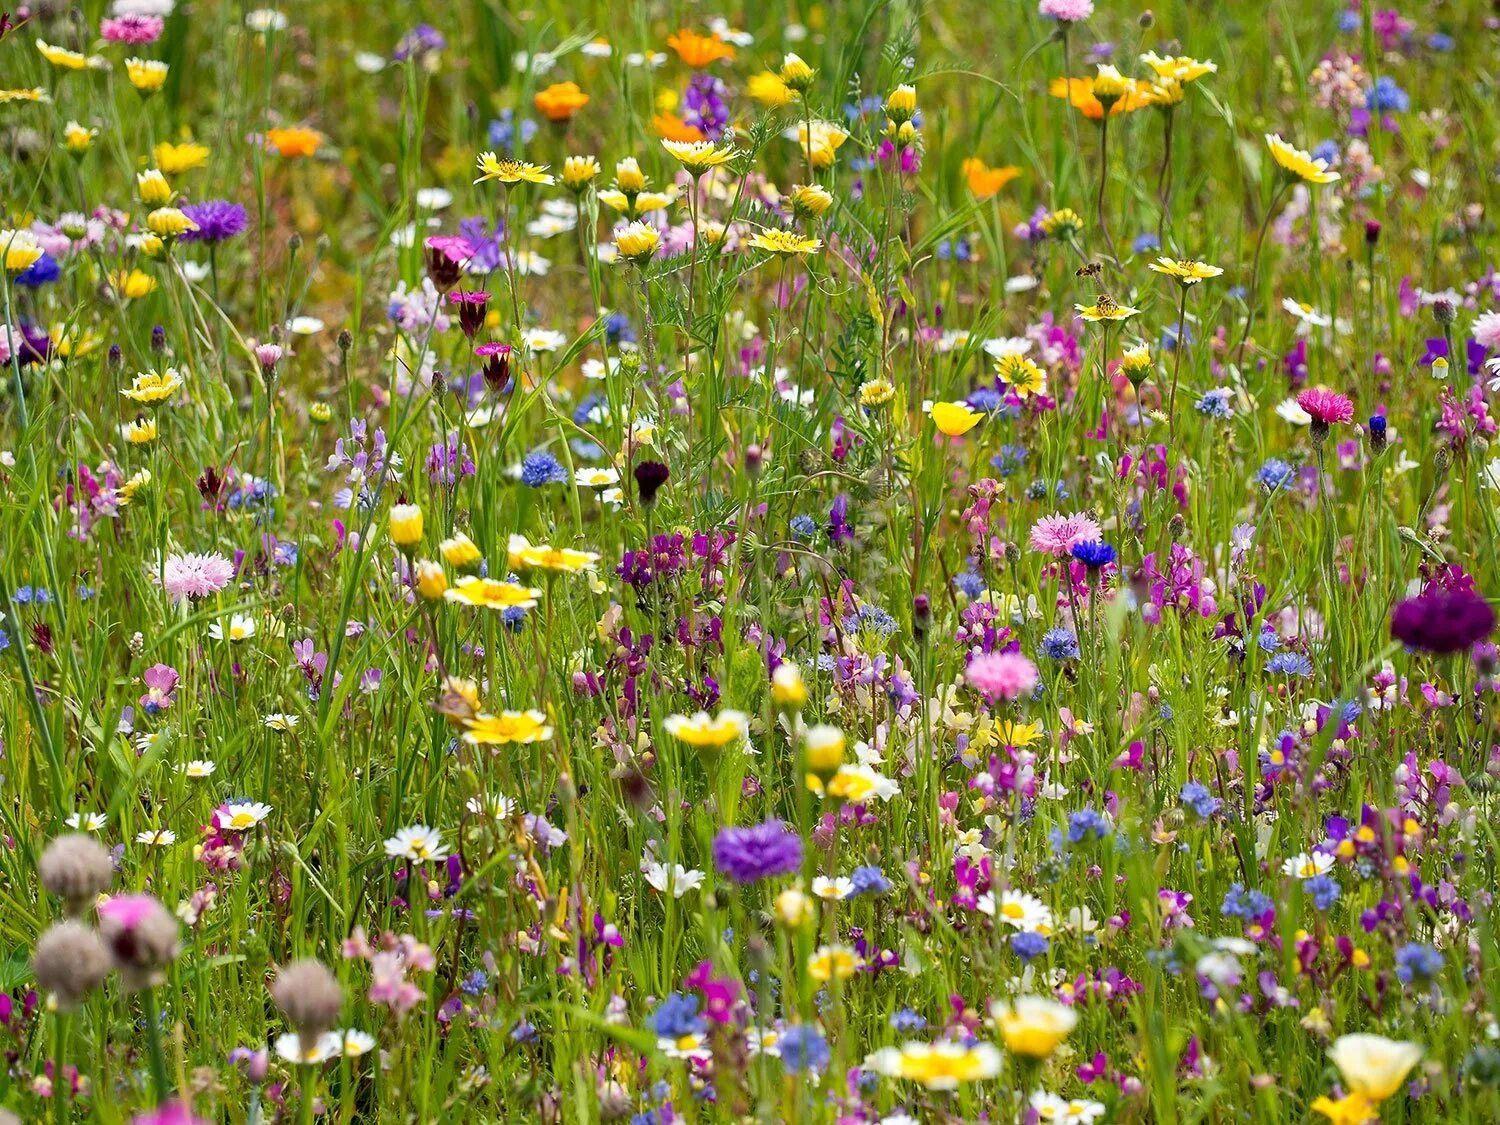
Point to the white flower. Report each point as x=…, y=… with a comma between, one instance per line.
x=596, y=478
x=198, y=768
x=368, y=62
x=305, y=326
x=596, y=49
x=1373, y=1065
x=86, y=822
x=353, y=1042
x=278, y=721
x=289, y=1046
x=1021, y=283
x=156, y=837
x=542, y=340
x=496, y=805
x=265, y=19
x=653, y=59
x=1051, y=1108
x=433, y=198
x=241, y=628
x=676, y=880
x=530, y=264
x=1306, y=313
x=835, y=889
x=693, y=1046
x=1006, y=345
x=1305, y=865
x=597, y=369
x=1288, y=411
x=241, y=816
x=1023, y=911
x=419, y=844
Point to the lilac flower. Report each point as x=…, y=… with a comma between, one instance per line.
x=761, y=851
x=218, y=220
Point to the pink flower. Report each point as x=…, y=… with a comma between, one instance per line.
x=135, y=30
x=1066, y=11
x=196, y=576
x=1326, y=407
x=1487, y=330
x=161, y=682
x=1001, y=675
x=170, y=1113
x=1056, y=534
x=128, y=911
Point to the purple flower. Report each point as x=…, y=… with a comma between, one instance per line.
x=705, y=105
x=218, y=220
x=1443, y=621
x=761, y=851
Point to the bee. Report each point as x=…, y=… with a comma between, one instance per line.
x=1092, y=269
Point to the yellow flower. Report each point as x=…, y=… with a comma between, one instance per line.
x=169, y=222
x=176, y=159
x=954, y=419
x=153, y=188
x=877, y=392
x=22, y=250
x=856, y=784
x=1373, y=1066
x=1299, y=165
x=1021, y=375
x=1165, y=93
x=77, y=139
x=795, y=72
x=431, y=582
x=1179, y=69
x=460, y=551
x=1064, y=223
x=146, y=75
x=74, y=341
x=699, y=157
x=1081, y=96
x=1018, y=735
x=491, y=167
x=937, y=1066
x=579, y=172
x=901, y=104
x=628, y=175
x=832, y=962
x=508, y=727
x=823, y=747
x=794, y=907
x=1354, y=1109
x=1136, y=359
x=130, y=284
x=788, y=689
x=1185, y=270
x=152, y=245
x=708, y=731
x=61, y=57
x=784, y=242
x=985, y=181
x=810, y=201
x=140, y=432
x=1109, y=85
x=1105, y=308
x=821, y=142
x=151, y=387
x=406, y=525
x=637, y=242
x=768, y=89
x=524, y=556
x=1033, y=1026
x=32, y=94
x=487, y=593
x=134, y=485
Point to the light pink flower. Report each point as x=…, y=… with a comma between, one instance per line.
x=1325, y=406
x=1056, y=534
x=1066, y=11
x=136, y=30
x=1001, y=675
x=1487, y=330
x=128, y=911
x=169, y=1113
x=196, y=576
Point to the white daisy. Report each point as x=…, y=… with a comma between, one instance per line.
x=156, y=837
x=676, y=879
x=241, y=628
x=419, y=844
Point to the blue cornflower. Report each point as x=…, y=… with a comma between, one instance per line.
x=1094, y=554
x=1145, y=242
x=1417, y=962
x=969, y=583
x=1027, y=945
x=1009, y=459
x=617, y=329
x=1195, y=795
x=906, y=1020
x=1440, y=41
x=869, y=880
x=1327, y=150
x=677, y=1016
x=1289, y=664
x=1323, y=890
x=870, y=619
x=1269, y=640
x=803, y=1048
x=1215, y=403
x=1240, y=903
x=1276, y=473
x=541, y=468
x=475, y=983
x=1059, y=644
x=804, y=527
x=1084, y=823
x=40, y=272
x=987, y=400
x=1386, y=96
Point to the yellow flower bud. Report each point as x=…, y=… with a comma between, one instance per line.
x=579, y=172
x=823, y=746
x=432, y=583
x=637, y=242
x=169, y=222
x=153, y=188
x=406, y=525
x=795, y=73
x=788, y=689
x=901, y=103
x=628, y=175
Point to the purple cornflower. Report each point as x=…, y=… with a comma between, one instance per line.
x=1443, y=621
x=218, y=220
x=761, y=851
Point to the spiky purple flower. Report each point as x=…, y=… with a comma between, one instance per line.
x=761, y=851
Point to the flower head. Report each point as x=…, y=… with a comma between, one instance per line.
x=1297, y=164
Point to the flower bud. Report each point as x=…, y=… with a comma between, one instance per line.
x=406, y=525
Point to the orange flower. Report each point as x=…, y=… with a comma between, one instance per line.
x=673, y=128
x=699, y=50
x=1080, y=95
x=985, y=181
x=560, y=101
x=293, y=142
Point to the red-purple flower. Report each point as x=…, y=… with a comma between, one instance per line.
x=1325, y=407
x=1443, y=620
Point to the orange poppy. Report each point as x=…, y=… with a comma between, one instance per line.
x=1080, y=95
x=985, y=181
x=294, y=142
x=560, y=101
x=673, y=128
x=699, y=50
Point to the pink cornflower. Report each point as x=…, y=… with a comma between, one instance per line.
x=169, y=1113
x=136, y=30
x=1326, y=406
x=1487, y=330
x=1066, y=11
x=128, y=911
x=1056, y=534
x=195, y=576
x=1001, y=675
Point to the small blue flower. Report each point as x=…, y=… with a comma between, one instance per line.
x=1240, y=903
x=803, y=1048
x=1145, y=242
x=677, y=1016
x=969, y=583
x=1289, y=664
x=1386, y=96
x=1417, y=962
x=1276, y=473
x=541, y=468
x=1195, y=795
x=869, y=880
x=804, y=527
x=1084, y=823
x=1323, y=890
x=1215, y=403
x=1094, y=554
x=1027, y=945
x=906, y=1020
x=1059, y=644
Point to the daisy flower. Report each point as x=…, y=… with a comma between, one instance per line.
x=419, y=844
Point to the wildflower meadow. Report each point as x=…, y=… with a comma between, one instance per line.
x=851, y=561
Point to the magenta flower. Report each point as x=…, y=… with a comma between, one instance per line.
x=128, y=911
x=169, y=1113
x=1057, y=534
x=132, y=29
x=1002, y=675
x=161, y=682
x=1066, y=11
x=196, y=576
x=1326, y=407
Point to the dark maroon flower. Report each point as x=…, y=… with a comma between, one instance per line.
x=1443, y=621
x=649, y=477
x=496, y=365
x=471, y=308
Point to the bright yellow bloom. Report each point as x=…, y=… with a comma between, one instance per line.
x=937, y=1066
x=523, y=727
x=1022, y=375
x=637, y=242
x=140, y=432
x=1373, y=1066
x=708, y=731
x=768, y=89
x=784, y=242
x=579, y=172
x=823, y=748
x=1297, y=164
x=985, y=181
x=1354, y=1109
x=877, y=392
x=294, y=142
x=177, y=159
x=1136, y=359
x=1105, y=308
x=1109, y=85
x=131, y=284
x=21, y=249
x=628, y=175
x=491, y=167
x=699, y=50
x=1033, y=1026
x=1080, y=95
x=460, y=551
x=31, y=94
x=699, y=157
x=810, y=201
x=853, y=783
x=796, y=73
x=1179, y=69
x=77, y=139
x=1064, y=223
x=560, y=101
x=169, y=222
x=788, y=689
x=151, y=387
x=134, y=485
x=526, y=556
x=821, y=142
x=954, y=419
x=901, y=104
x=430, y=580
x=487, y=593
x=832, y=962
x=146, y=75
x=406, y=525
x=1165, y=93
x=153, y=188
x=1185, y=270
x=1018, y=735
x=61, y=57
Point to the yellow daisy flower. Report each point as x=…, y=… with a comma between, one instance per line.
x=506, y=728
x=487, y=593
x=491, y=167
x=1297, y=164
